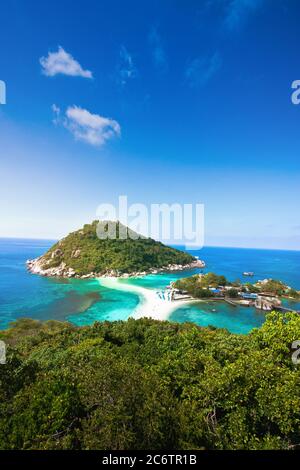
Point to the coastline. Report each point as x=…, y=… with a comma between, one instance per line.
x=36, y=266
x=150, y=305
x=42, y=297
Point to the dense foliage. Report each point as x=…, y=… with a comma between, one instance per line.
x=197, y=285
x=144, y=384
x=85, y=252
x=275, y=287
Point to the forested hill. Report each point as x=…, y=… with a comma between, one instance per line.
x=82, y=252
x=144, y=384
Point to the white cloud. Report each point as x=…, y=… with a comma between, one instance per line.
x=55, y=109
x=126, y=68
x=85, y=126
x=200, y=70
x=158, y=52
x=56, y=113
x=238, y=11
x=61, y=62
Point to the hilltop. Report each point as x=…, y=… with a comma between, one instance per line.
x=83, y=254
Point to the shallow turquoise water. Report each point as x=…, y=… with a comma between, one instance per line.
x=85, y=301
x=221, y=315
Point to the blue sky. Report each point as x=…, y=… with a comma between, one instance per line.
x=164, y=101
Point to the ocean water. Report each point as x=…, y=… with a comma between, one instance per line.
x=86, y=301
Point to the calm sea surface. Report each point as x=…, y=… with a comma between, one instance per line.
x=85, y=301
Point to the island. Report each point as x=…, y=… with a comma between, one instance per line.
x=82, y=254
x=266, y=294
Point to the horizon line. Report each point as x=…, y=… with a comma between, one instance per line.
x=171, y=244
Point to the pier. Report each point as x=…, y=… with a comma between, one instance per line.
x=230, y=302
x=285, y=310
x=260, y=302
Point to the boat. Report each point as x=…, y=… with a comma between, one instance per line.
x=248, y=273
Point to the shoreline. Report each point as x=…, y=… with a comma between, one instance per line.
x=35, y=266
x=150, y=305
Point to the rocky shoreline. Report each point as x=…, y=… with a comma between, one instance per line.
x=35, y=266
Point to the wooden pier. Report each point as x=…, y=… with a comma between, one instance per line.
x=285, y=310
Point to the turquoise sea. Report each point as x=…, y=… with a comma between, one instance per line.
x=85, y=301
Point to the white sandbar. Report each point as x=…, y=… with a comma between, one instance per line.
x=150, y=304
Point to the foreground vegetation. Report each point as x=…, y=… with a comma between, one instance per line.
x=144, y=384
x=84, y=252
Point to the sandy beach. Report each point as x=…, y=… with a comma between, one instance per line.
x=150, y=304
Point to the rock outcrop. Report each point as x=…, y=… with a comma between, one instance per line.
x=37, y=266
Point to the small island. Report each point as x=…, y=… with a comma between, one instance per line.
x=264, y=295
x=83, y=255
